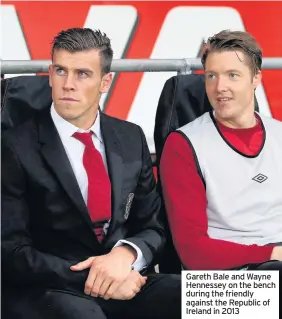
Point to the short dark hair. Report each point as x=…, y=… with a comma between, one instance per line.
x=80, y=39
x=235, y=40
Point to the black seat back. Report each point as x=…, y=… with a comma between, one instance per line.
x=22, y=97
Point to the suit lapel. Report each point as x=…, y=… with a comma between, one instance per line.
x=54, y=153
x=114, y=160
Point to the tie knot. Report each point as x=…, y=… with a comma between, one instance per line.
x=85, y=138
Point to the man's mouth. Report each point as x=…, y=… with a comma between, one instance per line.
x=224, y=99
x=68, y=99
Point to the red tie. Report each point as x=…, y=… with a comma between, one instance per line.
x=99, y=186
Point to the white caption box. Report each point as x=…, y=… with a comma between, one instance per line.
x=231, y=294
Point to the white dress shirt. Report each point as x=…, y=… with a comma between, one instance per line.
x=75, y=149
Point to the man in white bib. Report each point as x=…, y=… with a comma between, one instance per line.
x=222, y=173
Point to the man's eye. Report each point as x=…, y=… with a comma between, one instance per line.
x=210, y=76
x=82, y=74
x=60, y=71
x=233, y=75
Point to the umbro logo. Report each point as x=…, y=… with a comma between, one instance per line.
x=260, y=178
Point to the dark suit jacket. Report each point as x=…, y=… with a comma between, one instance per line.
x=46, y=227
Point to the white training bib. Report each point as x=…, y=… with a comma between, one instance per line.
x=244, y=193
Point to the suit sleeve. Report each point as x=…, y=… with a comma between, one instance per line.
x=186, y=205
x=146, y=222
x=22, y=263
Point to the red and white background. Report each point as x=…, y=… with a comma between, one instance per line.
x=140, y=29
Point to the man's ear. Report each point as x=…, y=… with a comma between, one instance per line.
x=50, y=71
x=106, y=82
x=257, y=79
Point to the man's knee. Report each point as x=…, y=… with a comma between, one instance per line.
x=68, y=305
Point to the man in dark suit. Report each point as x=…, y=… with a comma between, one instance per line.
x=81, y=223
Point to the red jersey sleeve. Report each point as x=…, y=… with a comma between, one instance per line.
x=186, y=205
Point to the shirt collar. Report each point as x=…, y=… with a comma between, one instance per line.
x=66, y=129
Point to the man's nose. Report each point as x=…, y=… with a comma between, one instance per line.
x=221, y=85
x=69, y=83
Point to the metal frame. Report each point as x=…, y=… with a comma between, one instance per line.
x=181, y=66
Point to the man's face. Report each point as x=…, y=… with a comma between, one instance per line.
x=77, y=84
x=230, y=84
